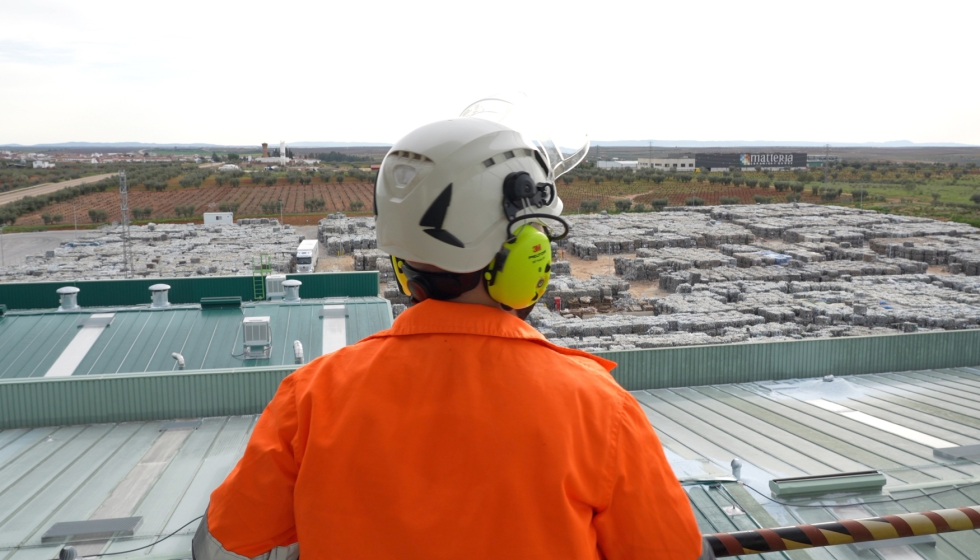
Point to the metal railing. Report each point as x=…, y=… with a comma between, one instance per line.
x=846, y=531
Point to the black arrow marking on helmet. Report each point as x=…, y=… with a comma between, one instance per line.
x=436, y=215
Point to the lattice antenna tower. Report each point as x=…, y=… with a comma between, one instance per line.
x=124, y=206
x=826, y=162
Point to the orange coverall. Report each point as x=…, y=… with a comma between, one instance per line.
x=461, y=432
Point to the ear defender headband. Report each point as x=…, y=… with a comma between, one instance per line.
x=519, y=274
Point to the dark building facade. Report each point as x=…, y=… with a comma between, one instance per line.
x=778, y=160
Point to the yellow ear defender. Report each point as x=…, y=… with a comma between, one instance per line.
x=518, y=276
x=397, y=263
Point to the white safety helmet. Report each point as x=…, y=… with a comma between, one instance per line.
x=439, y=196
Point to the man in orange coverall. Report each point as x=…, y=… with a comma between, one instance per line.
x=461, y=432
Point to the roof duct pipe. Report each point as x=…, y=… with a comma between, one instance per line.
x=298, y=351
x=69, y=298
x=291, y=288
x=180, y=360
x=159, y=294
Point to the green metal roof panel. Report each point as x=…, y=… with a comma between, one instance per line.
x=66, y=473
x=806, y=427
x=367, y=317
x=51, y=475
x=29, y=346
x=42, y=295
x=141, y=339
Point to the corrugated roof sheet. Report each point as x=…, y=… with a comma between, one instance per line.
x=141, y=339
x=75, y=473
x=784, y=430
x=780, y=429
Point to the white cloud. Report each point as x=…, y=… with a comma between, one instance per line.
x=243, y=73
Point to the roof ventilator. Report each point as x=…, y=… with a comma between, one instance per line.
x=863, y=481
x=69, y=298
x=92, y=529
x=273, y=286
x=159, y=294
x=291, y=289
x=181, y=364
x=298, y=351
x=258, y=338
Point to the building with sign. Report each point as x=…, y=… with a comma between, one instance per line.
x=819, y=160
x=683, y=163
x=616, y=164
x=765, y=160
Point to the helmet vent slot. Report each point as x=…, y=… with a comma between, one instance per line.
x=544, y=166
x=412, y=155
x=488, y=162
x=509, y=155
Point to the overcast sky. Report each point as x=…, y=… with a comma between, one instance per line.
x=244, y=73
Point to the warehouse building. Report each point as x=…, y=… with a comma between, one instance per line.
x=763, y=160
x=195, y=324
x=616, y=164
x=685, y=163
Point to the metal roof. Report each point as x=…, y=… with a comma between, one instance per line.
x=77, y=473
x=888, y=422
x=141, y=339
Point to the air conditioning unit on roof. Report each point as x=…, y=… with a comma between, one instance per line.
x=257, y=333
x=273, y=286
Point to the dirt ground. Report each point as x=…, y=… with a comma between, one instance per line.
x=334, y=264
x=585, y=269
x=937, y=269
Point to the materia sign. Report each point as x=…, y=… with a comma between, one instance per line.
x=768, y=160
x=763, y=159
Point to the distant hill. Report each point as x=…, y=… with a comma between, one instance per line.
x=196, y=146
x=91, y=145
x=338, y=144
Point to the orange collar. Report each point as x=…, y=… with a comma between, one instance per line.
x=433, y=316
x=440, y=317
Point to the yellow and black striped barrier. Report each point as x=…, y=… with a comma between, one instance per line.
x=845, y=531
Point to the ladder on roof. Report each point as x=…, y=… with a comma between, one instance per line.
x=260, y=270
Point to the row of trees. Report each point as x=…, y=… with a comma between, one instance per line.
x=314, y=204
x=141, y=212
x=195, y=178
x=221, y=178
x=19, y=177
x=184, y=211
x=625, y=205
x=336, y=157
x=29, y=204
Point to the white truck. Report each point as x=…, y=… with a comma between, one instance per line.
x=307, y=255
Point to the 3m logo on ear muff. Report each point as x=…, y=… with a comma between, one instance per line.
x=518, y=276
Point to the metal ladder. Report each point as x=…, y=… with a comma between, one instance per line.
x=259, y=271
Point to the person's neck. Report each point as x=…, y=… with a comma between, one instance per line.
x=478, y=296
